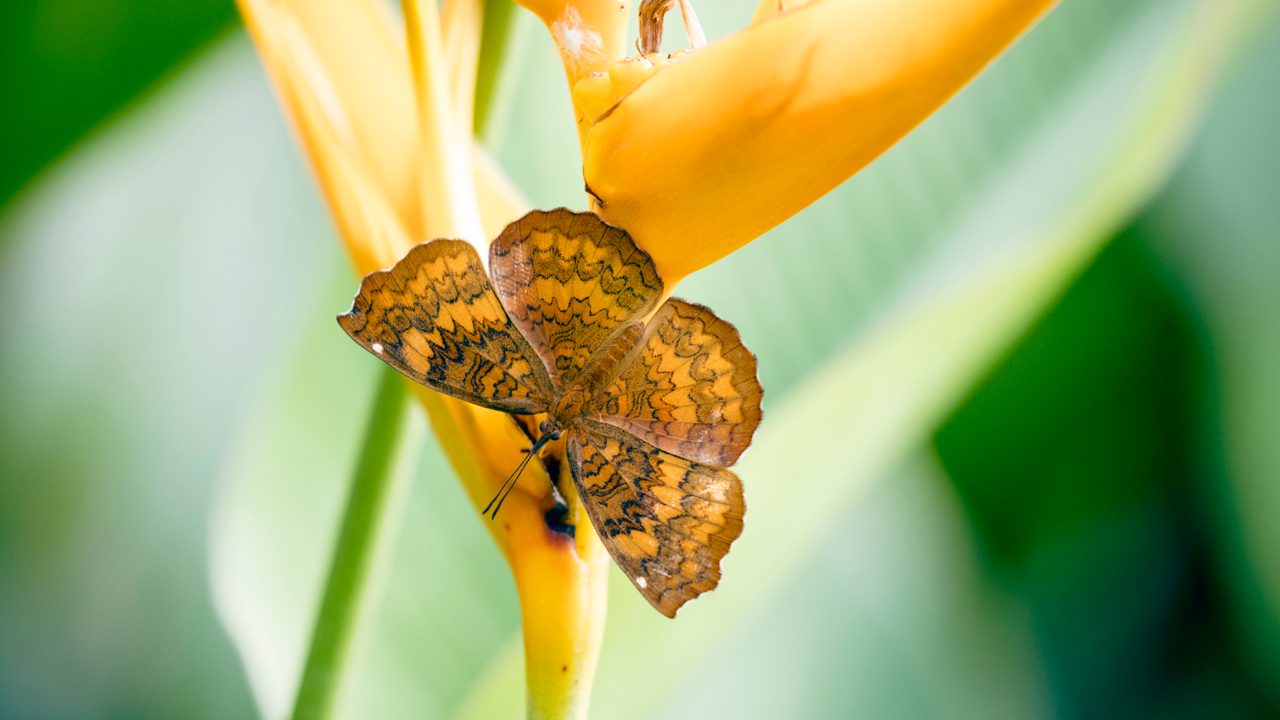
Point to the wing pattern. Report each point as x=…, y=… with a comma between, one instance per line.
x=569, y=282
x=435, y=318
x=652, y=411
x=666, y=521
x=689, y=387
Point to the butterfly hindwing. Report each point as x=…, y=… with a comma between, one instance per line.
x=689, y=387
x=665, y=520
x=435, y=318
x=569, y=282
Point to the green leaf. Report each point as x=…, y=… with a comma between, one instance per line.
x=149, y=281
x=73, y=63
x=1216, y=230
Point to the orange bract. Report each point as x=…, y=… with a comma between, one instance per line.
x=649, y=410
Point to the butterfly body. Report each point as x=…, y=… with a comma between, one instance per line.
x=653, y=398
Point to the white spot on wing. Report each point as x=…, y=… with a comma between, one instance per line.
x=642, y=583
x=376, y=347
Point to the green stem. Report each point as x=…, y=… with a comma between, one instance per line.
x=368, y=509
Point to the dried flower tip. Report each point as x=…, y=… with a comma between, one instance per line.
x=693, y=28
x=652, y=15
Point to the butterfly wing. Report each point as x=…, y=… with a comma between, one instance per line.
x=570, y=282
x=434, y=317
x=689, y=387
x=666, y=521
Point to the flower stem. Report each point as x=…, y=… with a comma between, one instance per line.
x=369, y=506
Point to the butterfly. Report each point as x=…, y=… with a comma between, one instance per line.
x=653, y=405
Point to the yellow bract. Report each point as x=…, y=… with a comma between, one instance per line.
x=712, y=151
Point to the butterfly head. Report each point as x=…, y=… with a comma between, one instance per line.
x=550, y=429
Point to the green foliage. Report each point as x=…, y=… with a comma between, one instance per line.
x=67, y=65
x=1108, y=462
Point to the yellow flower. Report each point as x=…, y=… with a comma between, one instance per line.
x=695, y=155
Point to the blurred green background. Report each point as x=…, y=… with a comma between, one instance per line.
x=1021, y=454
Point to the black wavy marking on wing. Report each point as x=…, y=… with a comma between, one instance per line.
x=666, y=521
x=397, y=316
x=688, y=386
x=602, y=282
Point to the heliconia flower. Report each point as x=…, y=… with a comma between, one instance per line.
x=694, y=155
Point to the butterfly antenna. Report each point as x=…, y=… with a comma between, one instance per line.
x=510, y=483
x=507, y=486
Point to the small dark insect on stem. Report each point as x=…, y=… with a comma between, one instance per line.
x=510, y=483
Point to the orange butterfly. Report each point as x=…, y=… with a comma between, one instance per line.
x=651, y=411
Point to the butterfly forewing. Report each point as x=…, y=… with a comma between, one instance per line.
x=569, y=282
x=435, y=318
x=665, y=520
x=689, y=387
